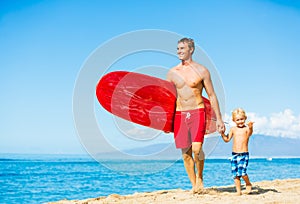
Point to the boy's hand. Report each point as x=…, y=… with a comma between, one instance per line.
x=250, y=124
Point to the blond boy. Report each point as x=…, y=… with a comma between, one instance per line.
x=240, y=155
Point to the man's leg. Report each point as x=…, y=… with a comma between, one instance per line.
x=199, y=162
x=189, y=165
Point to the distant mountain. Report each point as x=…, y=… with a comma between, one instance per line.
x=155, y=151
x=162, y=148
x=259, y=146
x=263, y=146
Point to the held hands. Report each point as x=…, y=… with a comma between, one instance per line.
x=220, y=126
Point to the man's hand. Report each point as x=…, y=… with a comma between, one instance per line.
x=220, y=126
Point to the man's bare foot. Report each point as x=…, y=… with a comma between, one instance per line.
x=248, y=188
x=198, y=188
x=239, y=193
x=193, y=190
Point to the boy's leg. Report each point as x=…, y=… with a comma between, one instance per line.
x=248, y=184
x=237, y=182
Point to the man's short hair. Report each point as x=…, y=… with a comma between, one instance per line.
x=189, y=41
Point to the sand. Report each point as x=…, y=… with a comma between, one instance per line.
x=271, y=192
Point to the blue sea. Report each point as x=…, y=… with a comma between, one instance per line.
x=45, y=178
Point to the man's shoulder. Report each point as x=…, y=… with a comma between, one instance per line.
x=202, y=70
x=175, y=68
x=200, y=66
x=172, y=72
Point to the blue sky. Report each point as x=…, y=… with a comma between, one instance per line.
x=44, y=44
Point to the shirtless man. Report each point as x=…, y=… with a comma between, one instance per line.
x=189, y=79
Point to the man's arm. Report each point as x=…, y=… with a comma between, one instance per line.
x=213, y=100
x=170, y=75
x=169, y=79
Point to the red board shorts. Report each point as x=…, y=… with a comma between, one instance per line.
x=189, y=127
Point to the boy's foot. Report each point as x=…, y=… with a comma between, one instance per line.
x=248, y=189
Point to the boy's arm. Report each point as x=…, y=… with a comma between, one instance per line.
x=250, y=125
x=227, y=137
x=224, y=137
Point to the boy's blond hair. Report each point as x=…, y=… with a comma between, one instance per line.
x=238, y=111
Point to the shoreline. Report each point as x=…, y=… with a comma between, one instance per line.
x=20, y=156
x=276, y=191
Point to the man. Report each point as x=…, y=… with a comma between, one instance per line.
x=190, y=78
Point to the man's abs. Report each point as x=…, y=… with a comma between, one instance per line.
x=189, y=104
x=189, y=98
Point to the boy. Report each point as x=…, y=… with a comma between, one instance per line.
x=240, y=155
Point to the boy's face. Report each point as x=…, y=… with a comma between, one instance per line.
x=239, y=120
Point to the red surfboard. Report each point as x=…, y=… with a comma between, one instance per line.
x=143, y=99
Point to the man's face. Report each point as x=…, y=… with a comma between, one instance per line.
x=183, y=51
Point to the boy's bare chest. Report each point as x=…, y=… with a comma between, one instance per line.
x=240, y=133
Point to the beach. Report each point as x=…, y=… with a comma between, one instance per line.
x=276, y=191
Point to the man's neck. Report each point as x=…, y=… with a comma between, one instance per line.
x=186, y=62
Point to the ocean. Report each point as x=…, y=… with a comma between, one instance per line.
x=45, y=178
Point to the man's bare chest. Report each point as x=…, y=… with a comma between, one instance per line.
x=188, y=78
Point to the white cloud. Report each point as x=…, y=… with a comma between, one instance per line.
x=282, y=124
